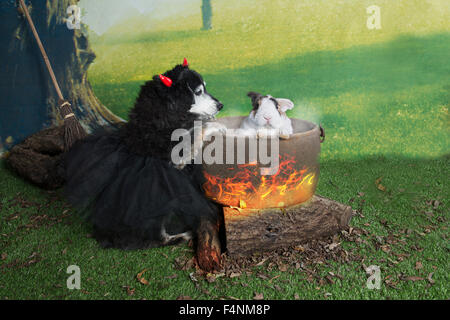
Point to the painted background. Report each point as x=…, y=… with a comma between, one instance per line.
x=379, y=91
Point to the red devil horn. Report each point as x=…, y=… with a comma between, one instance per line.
x=185, y=63
x=166, y=80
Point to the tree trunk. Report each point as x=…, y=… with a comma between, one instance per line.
x=29, y=100
x=253, y=230
x=207, y=14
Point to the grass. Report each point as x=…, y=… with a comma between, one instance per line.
x=106, y=274
x=382, y=97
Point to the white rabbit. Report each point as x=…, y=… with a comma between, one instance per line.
x=268, y=117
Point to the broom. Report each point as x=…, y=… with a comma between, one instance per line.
x=73, y=131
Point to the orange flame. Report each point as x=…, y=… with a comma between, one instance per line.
x=247, y=188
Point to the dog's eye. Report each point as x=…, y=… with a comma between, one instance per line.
x=198, y=92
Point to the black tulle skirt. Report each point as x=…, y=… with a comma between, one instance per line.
x=129, y=198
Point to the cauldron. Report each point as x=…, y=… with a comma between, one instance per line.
x=246, y=184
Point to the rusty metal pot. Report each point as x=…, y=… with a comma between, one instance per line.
x=246, y=185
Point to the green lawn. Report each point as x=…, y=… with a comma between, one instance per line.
x=382, y=97
x=37, y=245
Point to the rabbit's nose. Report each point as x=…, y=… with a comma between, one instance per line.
x=267, y=117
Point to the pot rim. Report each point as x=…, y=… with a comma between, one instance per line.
x=314, y=130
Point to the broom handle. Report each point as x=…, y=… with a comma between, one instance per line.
x=41, y=48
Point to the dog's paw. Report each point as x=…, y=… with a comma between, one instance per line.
x=213, y=128
x=242, y=133
x=181, y=163
x=267, y=133
x=179, y=166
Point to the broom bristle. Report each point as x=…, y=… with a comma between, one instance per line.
x=73, y=131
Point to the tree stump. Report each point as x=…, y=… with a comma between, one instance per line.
x=28, y=99
x=256, y=230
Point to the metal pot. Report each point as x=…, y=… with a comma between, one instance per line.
x=246, y=184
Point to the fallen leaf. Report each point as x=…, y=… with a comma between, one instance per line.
x=193, y=278
x=142, y=279
x=184, y=298
x=386, y=248
x=261, y=262
x=258, y=296
x=419, y=265
x=235, y=274
x=210, y=278
x=429, y=278
x=165, y=255
x=130, y=291
x=333, y=245
x=413, y=278
x=436, y=204
x=263, y=276
x=296, y=296
x=4, y=256
x=379, y=185
x=282, y=267
x=270, y=281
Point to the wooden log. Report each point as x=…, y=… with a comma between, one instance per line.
x=257, y=230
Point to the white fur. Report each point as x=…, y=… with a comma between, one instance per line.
x=204, y=104
x=268, y=119
x=166, y=238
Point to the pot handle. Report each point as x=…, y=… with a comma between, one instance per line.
x=322, y=134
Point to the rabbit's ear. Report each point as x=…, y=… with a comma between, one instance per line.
x=256, y=99
x=284, y=104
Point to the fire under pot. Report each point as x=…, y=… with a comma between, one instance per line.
x=240, y=178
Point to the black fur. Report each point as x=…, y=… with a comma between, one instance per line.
x=124, y=178
x=256, y=99
x=159, y=110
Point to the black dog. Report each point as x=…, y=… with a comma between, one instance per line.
x=124, y=179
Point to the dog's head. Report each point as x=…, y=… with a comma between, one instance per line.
x=169, y=101
x=188, y=89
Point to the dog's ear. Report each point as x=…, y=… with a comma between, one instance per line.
x=284, y=104
x=256, y=99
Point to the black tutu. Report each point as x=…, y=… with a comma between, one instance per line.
x=128, y=197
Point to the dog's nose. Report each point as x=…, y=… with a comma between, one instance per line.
x=220, y=106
